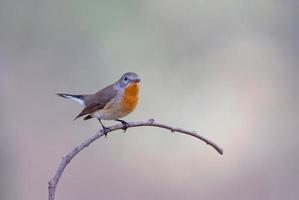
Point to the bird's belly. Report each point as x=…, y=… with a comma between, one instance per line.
x=110, y=113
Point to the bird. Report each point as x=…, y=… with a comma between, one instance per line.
x=111, y=103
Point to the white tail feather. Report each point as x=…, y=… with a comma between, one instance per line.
x=80, y=101
x=73, y=98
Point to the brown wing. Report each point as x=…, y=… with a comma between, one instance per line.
x=98, y=100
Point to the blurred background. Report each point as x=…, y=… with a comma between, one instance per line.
x=228, y=69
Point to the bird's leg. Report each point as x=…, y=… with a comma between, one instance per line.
x=105, y=129
x=125, y=124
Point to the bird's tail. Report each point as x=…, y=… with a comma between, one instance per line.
x=76, y=98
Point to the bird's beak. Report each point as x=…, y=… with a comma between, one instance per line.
x=137, y=80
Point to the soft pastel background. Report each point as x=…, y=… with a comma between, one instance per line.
x=228, y=69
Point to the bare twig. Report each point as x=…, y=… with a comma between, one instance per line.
x=151, y=122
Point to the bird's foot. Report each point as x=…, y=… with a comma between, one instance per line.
x=124, y=123
x=106, y=130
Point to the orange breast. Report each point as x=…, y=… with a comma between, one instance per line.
x=130, y=98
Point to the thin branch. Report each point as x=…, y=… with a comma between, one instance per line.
x=151, y=122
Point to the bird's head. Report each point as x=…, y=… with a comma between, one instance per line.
x=128, y=79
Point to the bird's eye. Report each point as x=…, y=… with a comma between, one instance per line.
x=126, y=78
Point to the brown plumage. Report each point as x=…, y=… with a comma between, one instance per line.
x=97, y=101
